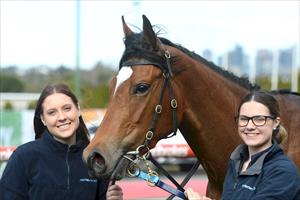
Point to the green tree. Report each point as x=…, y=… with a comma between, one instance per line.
x=283, y=83
x=31, y=105
x=8, y=106
x=95, y=97
x=11, y=83
x=36, y=78
x=264, y=82
x=299, y=81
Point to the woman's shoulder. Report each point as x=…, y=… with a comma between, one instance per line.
x=288, y=165
x=284, y=164
x=24, y=154
x=28, y=148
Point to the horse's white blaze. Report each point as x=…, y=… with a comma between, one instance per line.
x=124, y=74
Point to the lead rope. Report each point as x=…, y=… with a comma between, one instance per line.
x=152, y=177
x=188, y=177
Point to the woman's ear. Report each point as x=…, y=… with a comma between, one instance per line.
x=79, y=111
x=42, y=119
x=277, y=121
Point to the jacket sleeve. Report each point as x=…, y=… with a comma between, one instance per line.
x=279, y=184
x=229, y=181
x=102, y=189
x=13, y=183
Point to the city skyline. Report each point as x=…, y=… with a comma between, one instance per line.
x=243, y=59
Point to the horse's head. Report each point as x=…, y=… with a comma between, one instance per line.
x=142, y=108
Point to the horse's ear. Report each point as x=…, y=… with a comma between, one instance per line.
x=149, y=35
x=127, y=31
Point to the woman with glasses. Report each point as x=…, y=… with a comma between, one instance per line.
x=258, y=168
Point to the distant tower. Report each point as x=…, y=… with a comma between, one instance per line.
x=223, y=61
x=295, y=69
x=275, y=68
x=264, y=62
x=207, y=54
x=285, y=62
x=238, y=61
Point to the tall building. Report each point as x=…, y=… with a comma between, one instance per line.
x=235, y=61
x=207, y=54
x=285, y=62
x=263, y=62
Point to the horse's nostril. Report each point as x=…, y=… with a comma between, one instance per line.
x=98, y=159
x=96, y=163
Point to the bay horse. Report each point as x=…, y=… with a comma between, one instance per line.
x=158, y=78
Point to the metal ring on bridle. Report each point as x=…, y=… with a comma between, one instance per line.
x=173, y=103
x=133, y=169
x=166, y=75
x=158, y=109
x=167, y=54
x=149, y=135
x=138, y=150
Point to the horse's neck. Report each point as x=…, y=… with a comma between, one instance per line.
x=208, y=121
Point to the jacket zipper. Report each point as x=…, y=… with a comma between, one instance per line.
x=235, y=182
x=68, y=168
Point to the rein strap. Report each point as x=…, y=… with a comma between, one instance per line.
x=157, y=182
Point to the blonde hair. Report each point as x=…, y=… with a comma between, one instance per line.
x=280, y=134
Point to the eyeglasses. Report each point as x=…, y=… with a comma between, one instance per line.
x=257, y=120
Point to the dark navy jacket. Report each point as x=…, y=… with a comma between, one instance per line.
x=270, y=175
x=47, y=169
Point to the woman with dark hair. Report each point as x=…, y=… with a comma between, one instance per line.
x=258, y=168
x=51, y=167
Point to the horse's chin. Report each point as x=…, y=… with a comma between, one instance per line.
x=118, y=173
x=99, y=176
x=120, y=169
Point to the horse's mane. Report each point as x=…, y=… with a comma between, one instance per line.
x=242, y=81
x=134, y=48
x=284, y=91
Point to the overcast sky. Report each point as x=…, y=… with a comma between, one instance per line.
x=43, y=32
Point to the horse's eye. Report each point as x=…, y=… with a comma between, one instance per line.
x=141, y=88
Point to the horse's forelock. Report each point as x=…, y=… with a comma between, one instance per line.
x=137, y=47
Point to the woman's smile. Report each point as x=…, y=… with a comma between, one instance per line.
x=64, y=126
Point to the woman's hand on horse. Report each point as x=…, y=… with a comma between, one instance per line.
x=114, y=192
x=192, y=195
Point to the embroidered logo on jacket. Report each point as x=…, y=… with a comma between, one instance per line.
x=248, y=187
x=88, y=180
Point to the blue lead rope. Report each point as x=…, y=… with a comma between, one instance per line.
x=157, y=182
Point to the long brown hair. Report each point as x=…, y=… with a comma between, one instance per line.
x=39, y=127
x=265, y=98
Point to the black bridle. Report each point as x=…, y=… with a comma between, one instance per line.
x=167, y=74
x=167, y=81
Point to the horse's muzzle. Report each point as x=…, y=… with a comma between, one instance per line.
x=96, y=165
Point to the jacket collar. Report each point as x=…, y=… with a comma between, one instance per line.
x=58, y=146
x=257, y=160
